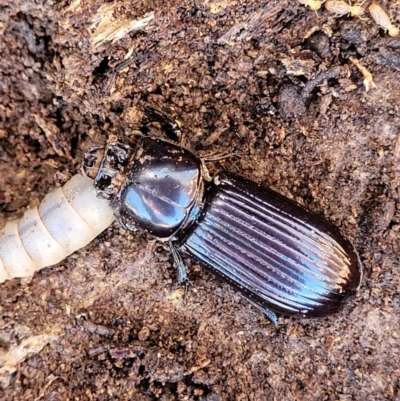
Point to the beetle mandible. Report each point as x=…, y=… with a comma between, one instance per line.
x=280, y=256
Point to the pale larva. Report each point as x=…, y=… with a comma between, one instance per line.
x=340, y=7
x=67, y=219
x=379, y=15
x=313, y=4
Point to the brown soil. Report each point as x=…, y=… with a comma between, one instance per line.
x=108, y=323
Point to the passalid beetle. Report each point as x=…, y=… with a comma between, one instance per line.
x=280, y=256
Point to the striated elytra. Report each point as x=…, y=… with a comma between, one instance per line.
x=280, y=256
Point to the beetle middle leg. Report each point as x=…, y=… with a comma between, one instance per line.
x=271, y=316
x=183, y=278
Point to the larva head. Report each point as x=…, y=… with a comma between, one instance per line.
x=107, y=165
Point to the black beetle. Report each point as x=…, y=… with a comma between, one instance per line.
x=280, y=256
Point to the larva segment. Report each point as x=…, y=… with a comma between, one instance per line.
x=15, y=259
x=62, y=221
x=66, y=220
x=82, y=196
x=37, y=240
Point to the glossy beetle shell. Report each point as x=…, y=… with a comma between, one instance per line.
x=278, y=254
x=162, y=186
x=282, y=257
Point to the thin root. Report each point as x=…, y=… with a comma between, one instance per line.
x=368, y=80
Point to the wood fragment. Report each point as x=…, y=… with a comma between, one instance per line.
x=106, y=28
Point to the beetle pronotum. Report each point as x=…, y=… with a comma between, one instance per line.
x=379, y=15
x=66, y=220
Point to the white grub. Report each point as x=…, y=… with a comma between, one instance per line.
x=368, y=81
x=67, y=219
x=314, y=5
x=379, y=15
x=106, y=28
x=340, y=8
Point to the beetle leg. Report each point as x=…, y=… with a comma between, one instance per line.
x=127, y=226
x=170, y=126
x=206, y=174
x=182, y=269
x=271, y=316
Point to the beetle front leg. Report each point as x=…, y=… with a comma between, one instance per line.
x=171, y=127
x=182, y=270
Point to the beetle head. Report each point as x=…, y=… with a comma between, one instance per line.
x=92, y=161
x=107, y=166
